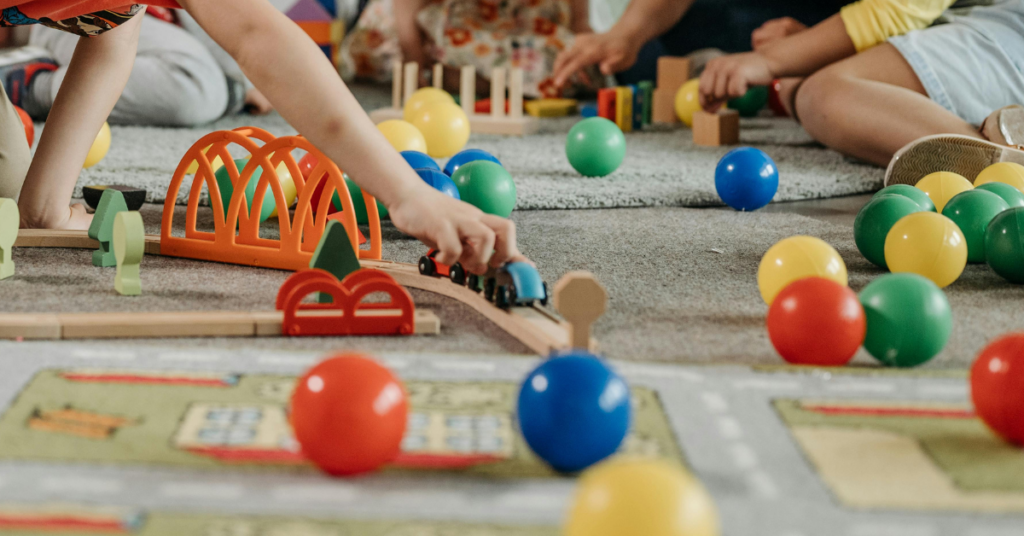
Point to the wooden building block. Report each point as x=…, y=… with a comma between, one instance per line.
x=410, y=80
x=396, y=84
x=646, y=89
x=664, y=107
x=334, y=254
x=716, y=129
x=606, y=103
x=624, y=108
x=437, y=77
x=498, y=92
x=102, y=228
x=515, y=92
x=10, y=220
x=551, y=107
x=467, y=89
x=581, y=299
x=129, y=242
x=673, y=72
x=23, y=326
x=638, y=107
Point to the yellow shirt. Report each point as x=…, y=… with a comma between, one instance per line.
x=870, y=22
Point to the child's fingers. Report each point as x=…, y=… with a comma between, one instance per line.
x=738, y=87
x=449, y=247
x=505, y=249
x=722, y=85
x=479, y=239
x=608, y=66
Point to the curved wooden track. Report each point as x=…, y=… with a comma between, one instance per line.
x=535, y=327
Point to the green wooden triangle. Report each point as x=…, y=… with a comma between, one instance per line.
x=102, y=227
x=335, y=254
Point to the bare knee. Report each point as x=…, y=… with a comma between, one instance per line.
x=819, y=102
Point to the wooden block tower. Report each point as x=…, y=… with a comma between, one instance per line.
x=405, y=82
x=672, y=74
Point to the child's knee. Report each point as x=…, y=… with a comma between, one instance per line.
x=817, y=99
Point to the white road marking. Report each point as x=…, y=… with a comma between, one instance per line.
x=189, y=490
x=99, y=486
x=766, y=384
x=658, y=371
x=302, y=361
x=334, y=494
x=871, y=529
x=189, y=356
x=762, y=485
x=479, y=366
x=864, y=387
x=743, y=456
x=85, y=353
x=729, y=428
x=937, y=389
x=715, y=402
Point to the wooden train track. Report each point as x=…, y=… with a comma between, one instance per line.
x=535, y=327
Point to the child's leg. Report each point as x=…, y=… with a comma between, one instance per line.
x=175, y=80
x=871, y=105
x=15, y=155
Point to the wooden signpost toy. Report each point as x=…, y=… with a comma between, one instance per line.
x=129, y=242
x=102, y=226
x=405, y=82
x=716, y=129
x=10, y=220
x=672, y=74
x=581, y=299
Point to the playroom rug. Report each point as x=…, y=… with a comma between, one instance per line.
x=662, y=166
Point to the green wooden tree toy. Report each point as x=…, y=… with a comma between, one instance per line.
x=111, y=204
x=10, y=220
x=129, y=243
x=335, y=254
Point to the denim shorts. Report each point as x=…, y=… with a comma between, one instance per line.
x=973, y=65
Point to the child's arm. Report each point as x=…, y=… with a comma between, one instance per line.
x=95, y=79
x=303, y=85
x=581, y=17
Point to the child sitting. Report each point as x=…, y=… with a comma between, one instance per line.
x=283, y=63
x=880, y=80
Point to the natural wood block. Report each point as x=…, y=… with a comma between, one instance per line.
x=498, y=80
x=673, y=72
x=410, y=80
x=29, y=326
x=467, y=89
x=437, y=77
x=716, y=129
x=664, y=109
x=515, y=92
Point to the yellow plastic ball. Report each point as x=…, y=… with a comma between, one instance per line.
x=99, y=148
x=403, y=136
x=798, y=257
x=641, y=497
x=927, y=244
x=688, y=101
x=1004, y=172
x=287, y=184
x=942, y=186
x=444, y=126
x=422, y=97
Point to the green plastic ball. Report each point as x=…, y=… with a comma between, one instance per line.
x=909, y=319
x=874, y=221
x=972, y=211
x=752, y=102
x=595, y=147
x=1004, y=245
x=1011, y=195
x=487, y=186
x=227, y=190
x=906, y=190
x=358, y=203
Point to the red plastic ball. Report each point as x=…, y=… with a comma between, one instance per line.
x=997, y=387
x=816, y=321
x=349, y=414
x=30, y=128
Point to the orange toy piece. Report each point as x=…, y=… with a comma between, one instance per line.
x=347, y=314
x=236, y=237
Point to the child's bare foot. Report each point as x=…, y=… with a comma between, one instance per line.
x=77, y=220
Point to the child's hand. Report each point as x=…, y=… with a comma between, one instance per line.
x=459, y=231
x=730, y=77
x=611, y=51
x=775, y=30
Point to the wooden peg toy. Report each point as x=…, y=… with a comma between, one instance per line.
x=581, y=299
x=111, y=204
x=624, y=108
x=334, y=254
x=10, y=220
x=129, y=241
x=716, y=129
x=437, y=78
x=606, y=103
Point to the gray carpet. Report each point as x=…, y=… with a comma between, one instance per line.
x=662, y=167
x=682, y=284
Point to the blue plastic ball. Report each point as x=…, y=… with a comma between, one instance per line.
x=574, y=411
x=467, y=156
x=439, y=181
x=746, y=178
x=418, y=160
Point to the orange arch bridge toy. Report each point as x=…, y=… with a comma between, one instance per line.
x=236, y=235
x=347, y=314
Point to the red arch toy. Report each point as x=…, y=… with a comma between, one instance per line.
x=347, y=314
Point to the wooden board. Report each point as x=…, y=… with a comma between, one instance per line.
x=139, y=325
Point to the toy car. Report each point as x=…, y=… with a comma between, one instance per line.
x=516, y=284
x=429, y=266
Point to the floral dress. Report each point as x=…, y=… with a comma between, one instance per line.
x=528, y=34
